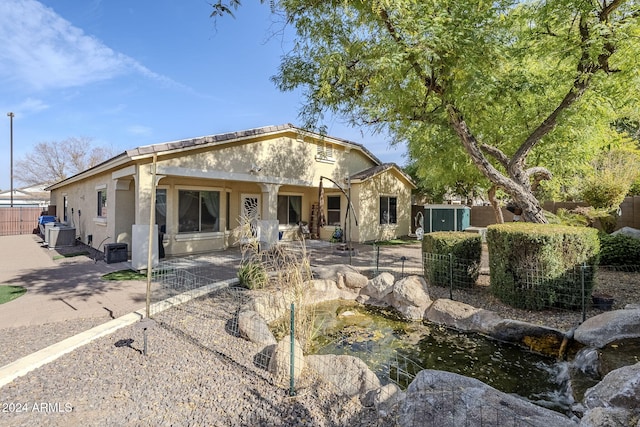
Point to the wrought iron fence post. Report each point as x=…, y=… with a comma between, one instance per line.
x=292, y=390
x=450, y=276
x=376, y=249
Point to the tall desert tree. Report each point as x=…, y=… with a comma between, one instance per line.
x=511, y=84
x=53, y=161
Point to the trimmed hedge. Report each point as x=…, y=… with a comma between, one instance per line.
x=619, y=249
x=452, y=258
x=539, y=266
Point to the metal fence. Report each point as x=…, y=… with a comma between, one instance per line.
x=19, y=220
x=197, y=299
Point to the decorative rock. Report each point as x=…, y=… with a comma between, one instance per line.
x=410, y=297
x=252, y=327
x=353, y=280
x=447, y=399
x=348, y=374
x=607, y=327
x=540, y=339
x=383, y=399
x=379, y=287
x=345, y=276
x=628, y=231
x=462, y=316
x=619, y=388
x=611, y=417
x=280, y=362
x=270, y=306
x=322, y=290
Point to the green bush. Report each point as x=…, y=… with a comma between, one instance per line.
x=252, y=275
x=619, y=250
x=452, y=258
x=539, y=266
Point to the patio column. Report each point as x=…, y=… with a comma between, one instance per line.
x=269, y=214
x=269, y=201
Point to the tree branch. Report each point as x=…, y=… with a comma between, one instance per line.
x=496, y=153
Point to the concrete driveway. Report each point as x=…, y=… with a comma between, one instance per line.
x=61, y=289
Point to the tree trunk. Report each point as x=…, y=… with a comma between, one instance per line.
x=496, y=206
x=519, y=191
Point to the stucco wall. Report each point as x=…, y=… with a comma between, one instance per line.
x=82, y=206
x=367, y=198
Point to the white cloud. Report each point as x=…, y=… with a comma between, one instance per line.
x=43, y=51
x=31, y=105
x=140, y=130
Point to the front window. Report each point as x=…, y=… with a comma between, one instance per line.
x=333, y=210
x=65, y=207
x=198, y=211
x=289, y=210
x=388, y=214
x=102, y=203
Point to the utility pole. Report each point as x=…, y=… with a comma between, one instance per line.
x=11, y=116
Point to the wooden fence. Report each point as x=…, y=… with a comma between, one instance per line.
x=19, y=220
x=481, y=216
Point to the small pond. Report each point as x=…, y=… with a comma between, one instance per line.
x=397, y=350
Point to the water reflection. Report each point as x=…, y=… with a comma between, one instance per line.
x=397, y=350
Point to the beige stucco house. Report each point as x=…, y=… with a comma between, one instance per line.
x=206, y=187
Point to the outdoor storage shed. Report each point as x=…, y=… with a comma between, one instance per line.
x=446, y=218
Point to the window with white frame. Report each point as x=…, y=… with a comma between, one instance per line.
x=333, y=210
x=289, y=210
x=388, y=209
x=198, y=211
x=324, y=151
x=102, y=203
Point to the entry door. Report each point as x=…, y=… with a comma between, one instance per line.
x=251, y=212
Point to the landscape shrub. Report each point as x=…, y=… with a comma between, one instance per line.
x=619, y=249
x=452, y=258
x=252, y=275
x=539, y=266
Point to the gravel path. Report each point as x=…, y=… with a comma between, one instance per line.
x=196, y=373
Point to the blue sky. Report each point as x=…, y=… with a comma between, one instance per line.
x=135, y=72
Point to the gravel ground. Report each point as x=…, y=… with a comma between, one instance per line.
x=196, y=373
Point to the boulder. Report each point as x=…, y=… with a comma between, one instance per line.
x=348, y=374
x=609, y=326
x=252, y=327
x=462, y=316
x=618, y=389
x=346, y=276
x=269, y=305
x=540, y=339
x=379, y=287
x=410, y=298
x=384, y=399
x=610, y=417
x=628, y=231
x=280, y=362
x=322, y=290
x=445, y=399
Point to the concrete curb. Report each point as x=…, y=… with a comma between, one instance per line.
x=26, y=364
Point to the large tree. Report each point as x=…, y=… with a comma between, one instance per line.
x=507, y=83
x=53, y=161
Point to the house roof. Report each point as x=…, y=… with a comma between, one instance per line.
x=211, y=140
x=378, y=169
x=186, y=144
